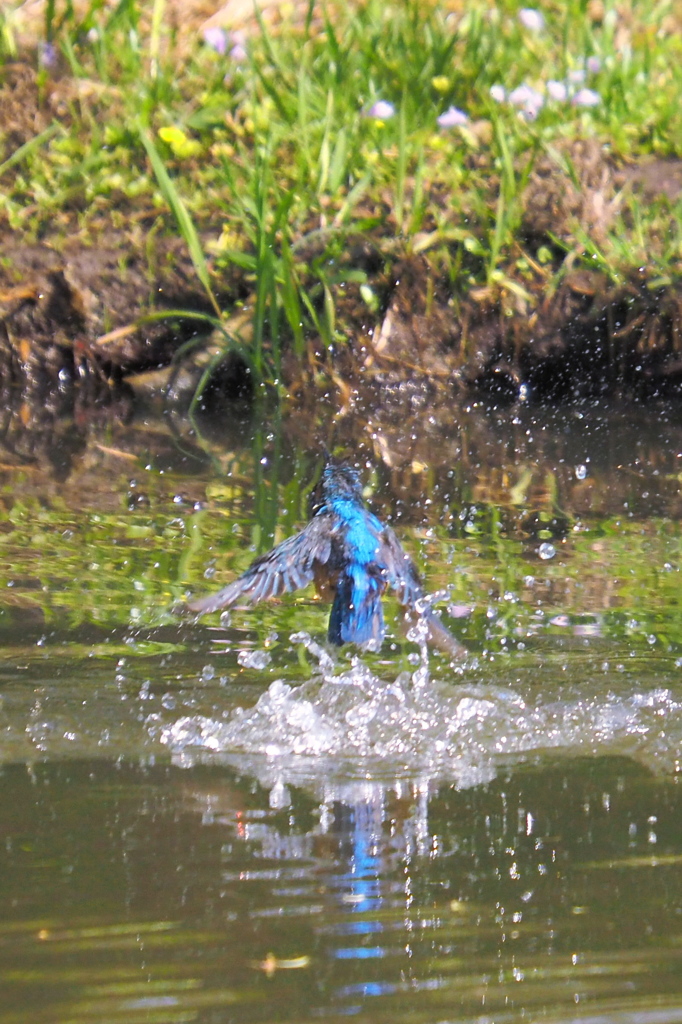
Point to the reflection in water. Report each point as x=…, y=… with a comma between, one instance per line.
x=492, y=901
x=553, y=891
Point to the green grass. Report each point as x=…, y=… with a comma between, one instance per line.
x=272, y=162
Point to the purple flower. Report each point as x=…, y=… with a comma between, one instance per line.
x=557, y=90
x=577, y=76
x=452, y=118
x=237, y=40
x=521, y=95
x=238, y=53
x=529, y=101
x=593, y=65
x=586, y=98
x=216, y=38
x=47, y=55
x=498, y=93
x=531, y=19
x=382, y=110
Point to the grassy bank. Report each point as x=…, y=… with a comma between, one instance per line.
x=498, y=149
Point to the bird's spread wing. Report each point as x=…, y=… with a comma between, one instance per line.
x=287, y=567
x=399, y=569
x=401, y=575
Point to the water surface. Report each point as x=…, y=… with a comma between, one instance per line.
x=223, y=821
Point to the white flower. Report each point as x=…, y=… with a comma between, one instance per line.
x=382, y=110
x=586, y=98
x=452, y=118
x=557, y=90
x=531, y=19
x=498, y=93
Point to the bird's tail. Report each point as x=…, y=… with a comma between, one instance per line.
x=356, y=615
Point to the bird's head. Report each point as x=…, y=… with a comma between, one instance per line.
x=340, y=481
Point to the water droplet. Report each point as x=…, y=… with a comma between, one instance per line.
x=254, y=659
x=279, y=796
x=546, y=551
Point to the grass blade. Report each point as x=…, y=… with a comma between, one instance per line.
x=28, y=147
x=184, y=221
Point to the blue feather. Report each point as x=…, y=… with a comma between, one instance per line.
x=356, y=615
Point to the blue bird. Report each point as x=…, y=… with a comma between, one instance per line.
x=348, y=553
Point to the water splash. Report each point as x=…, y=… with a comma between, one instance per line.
x=358, y=724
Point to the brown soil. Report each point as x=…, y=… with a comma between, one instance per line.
x=585, y=339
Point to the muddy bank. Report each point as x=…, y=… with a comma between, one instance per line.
x=75, y=314
x=87, y=309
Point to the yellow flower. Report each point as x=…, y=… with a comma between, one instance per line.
x=441, y=83
x=181, y=145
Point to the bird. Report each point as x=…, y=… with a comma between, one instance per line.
x=352, y=557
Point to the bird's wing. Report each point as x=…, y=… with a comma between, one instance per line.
x=401, y=575
x=287, y=567
x=398, y=569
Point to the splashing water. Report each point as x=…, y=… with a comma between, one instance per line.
x=360, y=725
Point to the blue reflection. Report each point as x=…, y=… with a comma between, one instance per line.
x=360, y=827
x=360, y=884
x=359, y=953
x=358, y=927
x=367, y=988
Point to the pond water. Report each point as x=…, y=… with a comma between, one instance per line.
x=224, y=821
